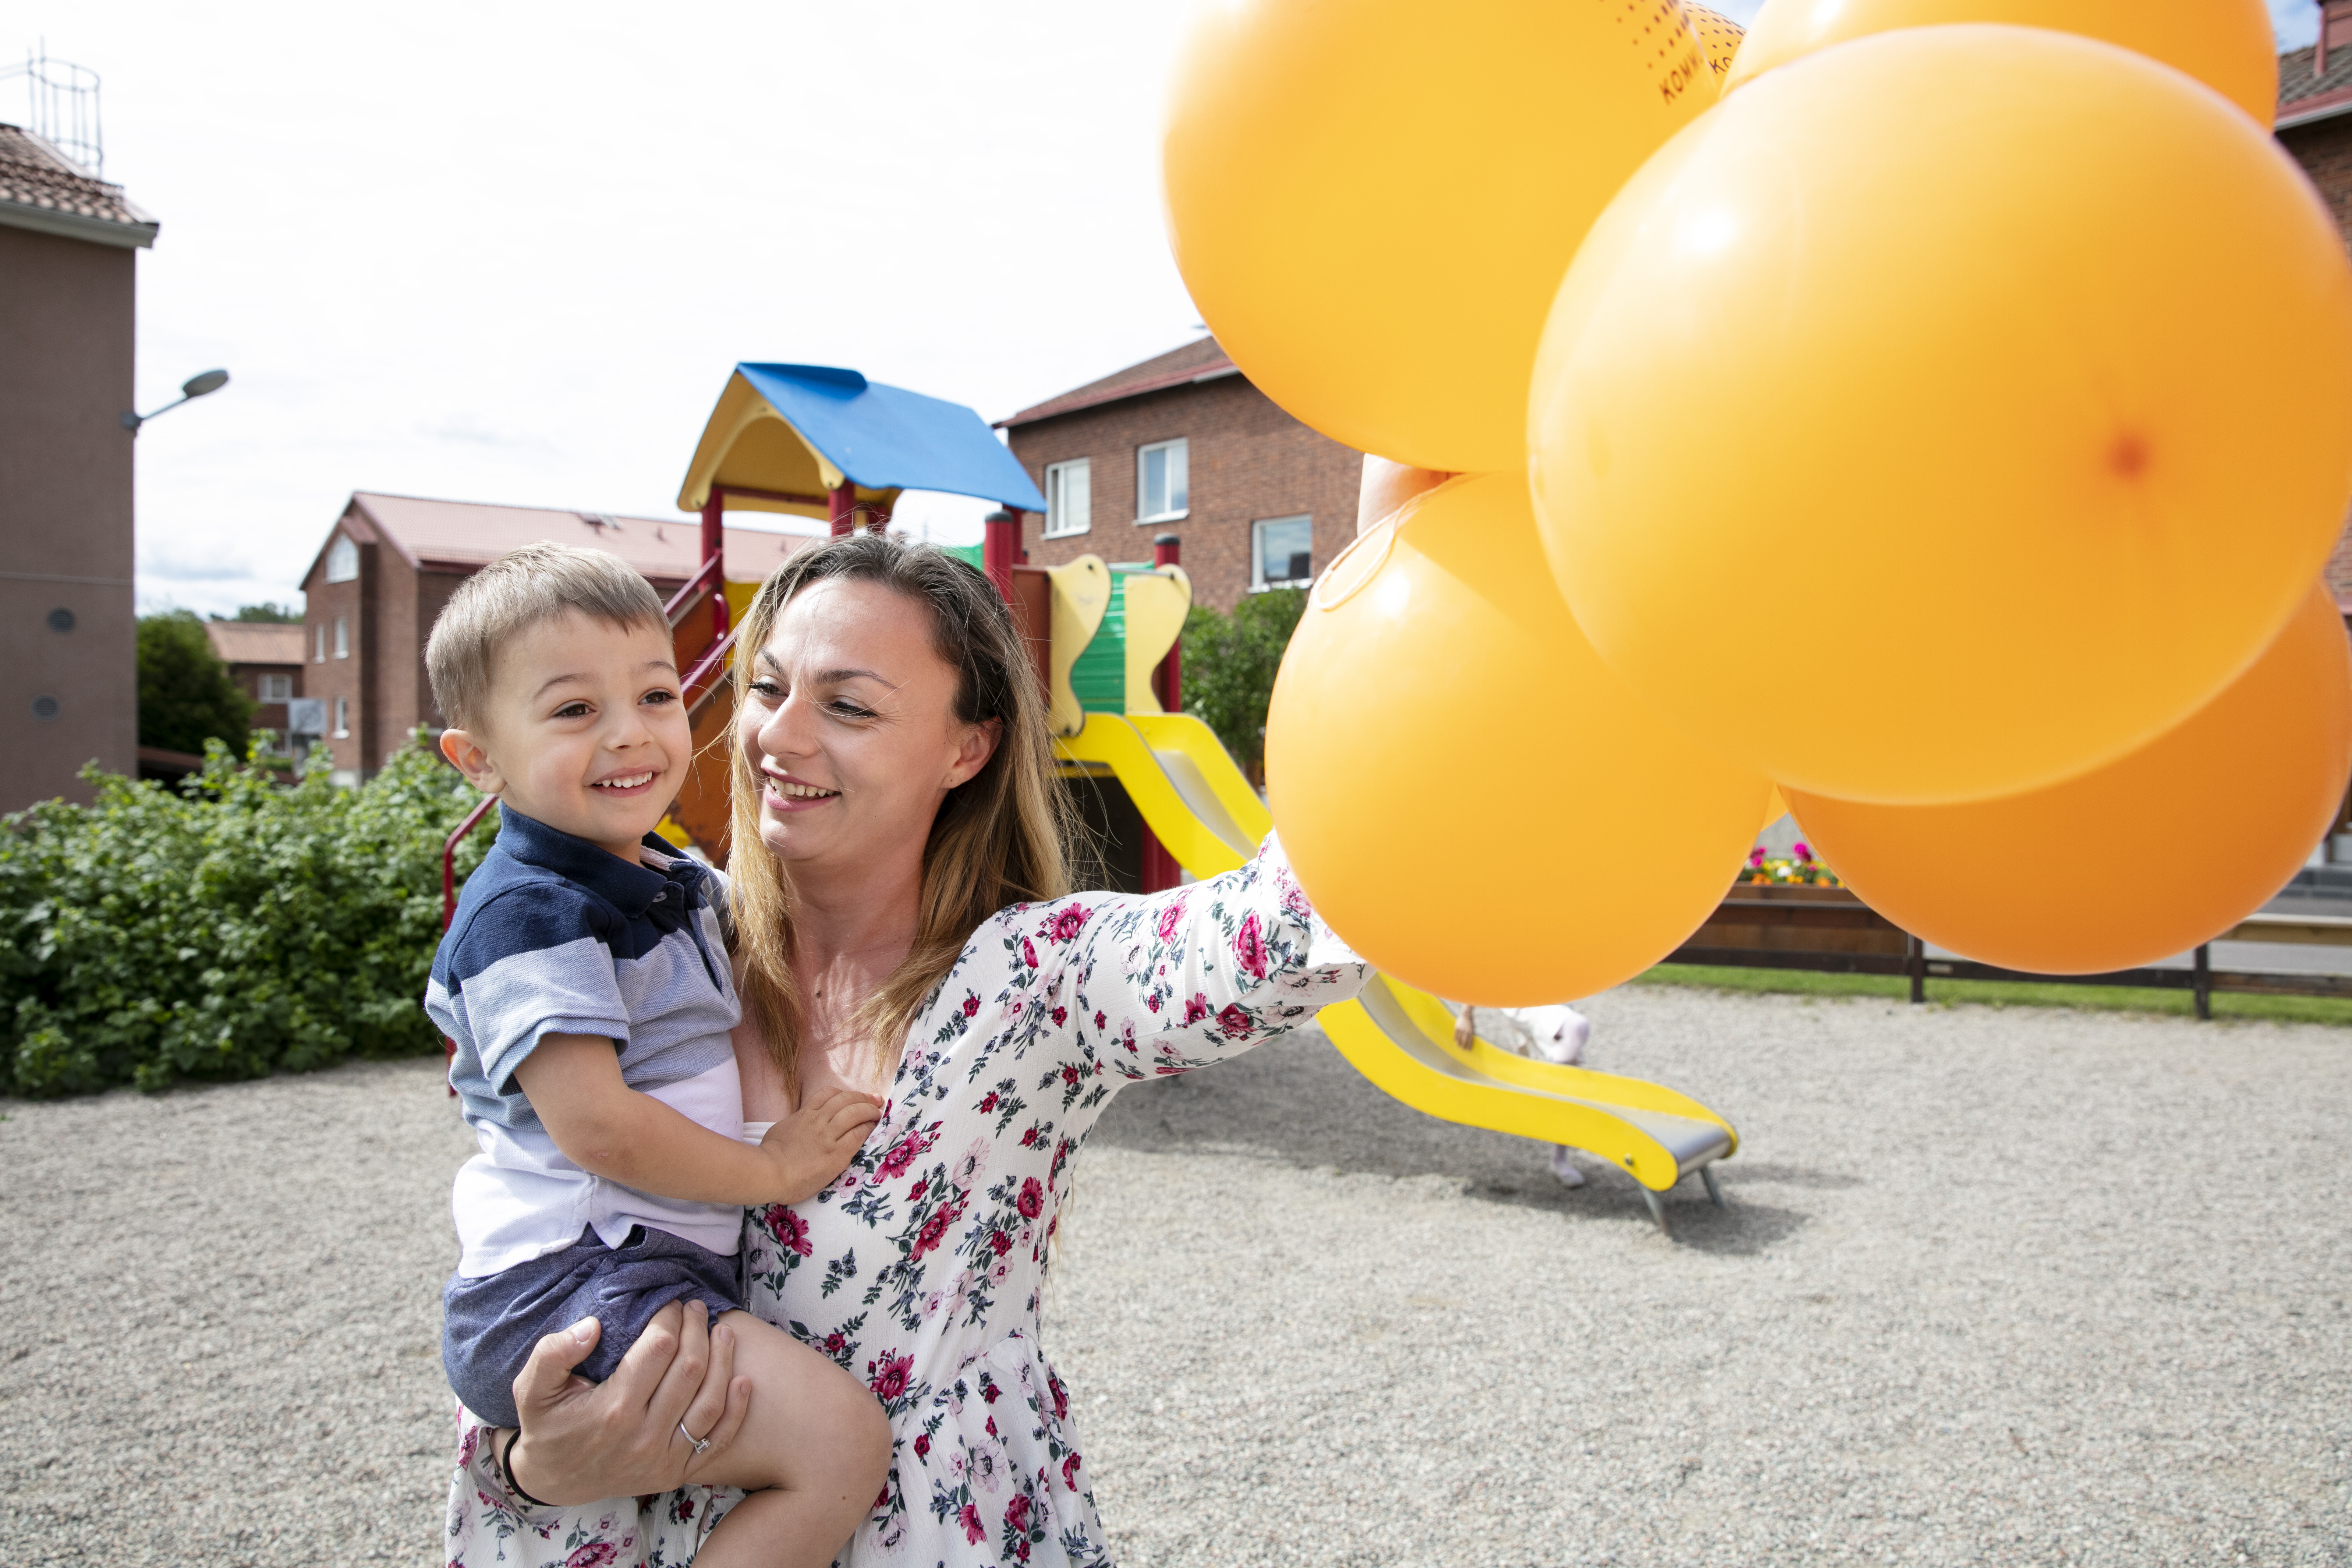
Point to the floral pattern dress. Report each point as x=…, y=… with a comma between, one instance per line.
x=920, y=1269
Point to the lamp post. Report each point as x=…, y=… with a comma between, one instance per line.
x=195, y=386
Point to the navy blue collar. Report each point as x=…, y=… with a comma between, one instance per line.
x=632, y=890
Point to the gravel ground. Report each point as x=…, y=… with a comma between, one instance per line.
x=1996, y=1287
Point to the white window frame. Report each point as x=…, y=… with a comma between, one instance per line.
x=342, y=559
x=1181, y=448
x=1259, y=581
x=319, y=643
x=342, y=718
x=342, y=636
x=1062, y=520
x=275, y=688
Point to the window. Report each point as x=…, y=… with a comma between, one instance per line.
x=1161, y=492
x=319, y=643
x=342, y=718
x=1069, y=497
x=343, y=560
x=343, y=637
x=276, y=689
x=1282, y=552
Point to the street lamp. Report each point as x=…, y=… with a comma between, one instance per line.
x=195, y=386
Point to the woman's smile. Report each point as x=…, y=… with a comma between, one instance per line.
x=785, y=792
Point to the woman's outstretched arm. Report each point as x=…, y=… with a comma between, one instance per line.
x=1177, y=980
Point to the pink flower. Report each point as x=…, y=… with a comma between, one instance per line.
x=1000, y=1242
x=1028, y=954
x=970, y=1003
x=1070, y=1472
x=1016, y=1513
x=890, y=1381
x=1170, y=918
x=988, y=1102
x=934, y=1230
x=1756, y=856
x=1101, y=1022
x=973, y=1530
x=1061, y=1017
x=1249, y=947
x=1197, y=1008
x=595, y=1554
x=1060, y=1395
x=1032, y=1201
x=791, y=1231
x=1234, y=1021
x=1803, y=851
x=922, y=1445
x=1068, y=923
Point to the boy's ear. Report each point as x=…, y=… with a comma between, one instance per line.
x=465, y=754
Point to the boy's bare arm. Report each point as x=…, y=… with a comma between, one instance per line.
x=606, y=1128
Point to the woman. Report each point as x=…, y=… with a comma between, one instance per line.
x=903, y=927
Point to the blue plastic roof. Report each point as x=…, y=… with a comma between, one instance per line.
x=886, y=437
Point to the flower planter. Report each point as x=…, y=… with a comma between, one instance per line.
x=1795, y=918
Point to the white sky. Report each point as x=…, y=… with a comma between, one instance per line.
x=508, y=252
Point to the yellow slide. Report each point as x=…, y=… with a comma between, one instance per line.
x=1196, y=801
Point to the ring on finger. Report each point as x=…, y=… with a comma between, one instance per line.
x=699, y=1443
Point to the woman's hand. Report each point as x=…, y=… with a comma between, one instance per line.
x=583, y=1441
x=1388, y=486
x=815, y=1143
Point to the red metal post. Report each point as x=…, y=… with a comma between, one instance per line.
x=714, y=548
x=1168, y=680
x=1000, y=548
x=845, y=507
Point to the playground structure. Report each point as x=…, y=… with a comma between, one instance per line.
x=817, y=441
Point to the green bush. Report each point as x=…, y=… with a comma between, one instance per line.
x=224, y=929
x=186, y=695
x=1229, y=668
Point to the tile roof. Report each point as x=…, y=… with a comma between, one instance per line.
x=468, y=535
x=255, y=642
x=41, y=188
x=1200, y=359
x=2305, y=94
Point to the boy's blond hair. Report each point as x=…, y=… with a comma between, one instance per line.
x=514, y=592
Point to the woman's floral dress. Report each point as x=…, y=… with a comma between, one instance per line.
x=920, y=1269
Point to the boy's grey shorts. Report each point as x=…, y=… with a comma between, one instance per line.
x=489, y=1325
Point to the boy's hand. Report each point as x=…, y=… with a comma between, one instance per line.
x=814, y=1144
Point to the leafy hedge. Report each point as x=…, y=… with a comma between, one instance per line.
x=1229, y=666
x=224, y=930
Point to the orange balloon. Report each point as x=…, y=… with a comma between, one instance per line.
x=2225, y=44
x=1371, y=201
x=2143, y=859
x=2029, y=358
x=1468, y=797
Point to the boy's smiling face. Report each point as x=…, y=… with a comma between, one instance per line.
x=584, y=731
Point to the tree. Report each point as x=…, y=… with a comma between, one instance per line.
x=186, y=695
x=1229, y=666
x=267, y=614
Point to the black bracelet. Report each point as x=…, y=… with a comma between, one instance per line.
x=506, y=1464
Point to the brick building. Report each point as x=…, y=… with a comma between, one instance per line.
x=390, y=562
x=266, y=662
x=68, y=289
x=2314, y=124
x=1183, y=444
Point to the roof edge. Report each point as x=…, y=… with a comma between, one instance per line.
x=2306, y=110
x=77, y=225
x=1054, y=408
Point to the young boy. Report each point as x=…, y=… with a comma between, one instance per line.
x=585, y=983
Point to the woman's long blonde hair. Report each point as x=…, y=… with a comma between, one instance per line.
x=998, y=838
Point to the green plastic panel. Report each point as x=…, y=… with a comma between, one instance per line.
x=1099, y=677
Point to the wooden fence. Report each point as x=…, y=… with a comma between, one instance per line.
x=1830, y=930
